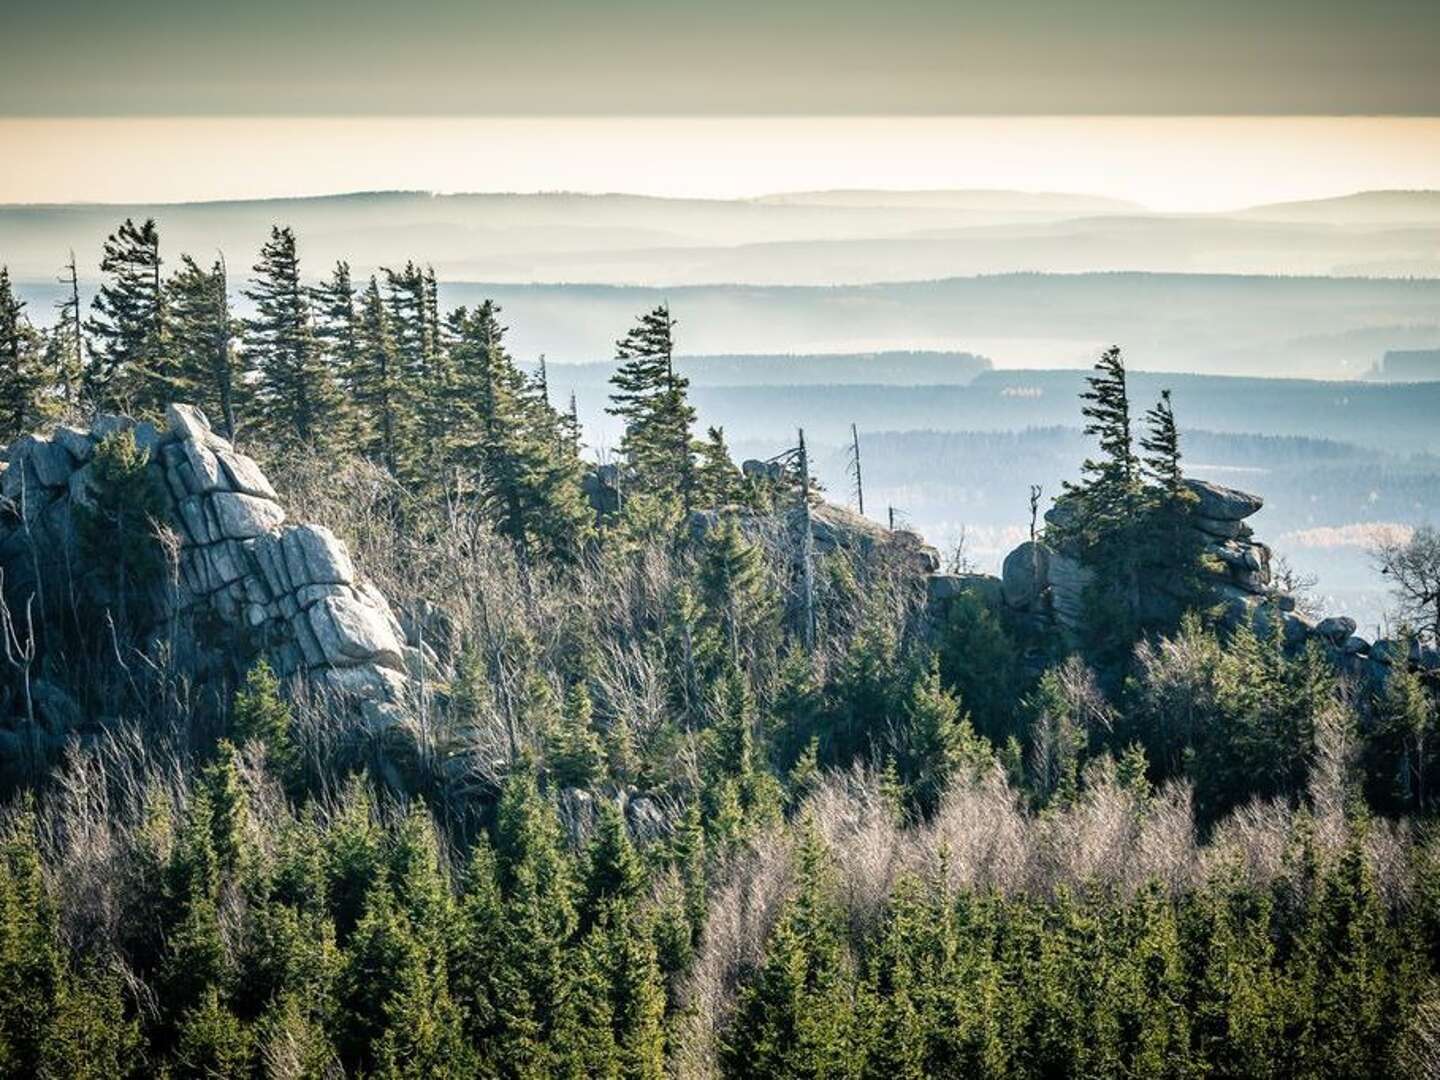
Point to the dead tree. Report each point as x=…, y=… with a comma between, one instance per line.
x=855, y=469
x=807, y=544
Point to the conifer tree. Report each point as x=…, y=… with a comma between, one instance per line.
x=650, y=397
x=130, y=365
x=718, y=480
x=337, y=327
x=1161, y=443
x=380, y=389
x=203, y=334
x=261, y=714
x=297, y=398
x=526, y=471
x=22, y=366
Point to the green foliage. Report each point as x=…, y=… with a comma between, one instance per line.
x=132, y=365
x=22, y=366
x=651, y=399
x=117, y=529
x=260, y=714
x=296, y=395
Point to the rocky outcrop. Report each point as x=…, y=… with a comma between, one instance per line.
x=1048, y=585
x=287, y=590
x=834, y=529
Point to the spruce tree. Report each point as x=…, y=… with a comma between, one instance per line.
x=718, y=480
x=337, y=328
x=22, y=370
x=379, y=386
x=203, y=334
x=651, y=399
x=297, y=398
x=130, y=364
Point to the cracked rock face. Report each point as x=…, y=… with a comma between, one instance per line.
x=289, y=588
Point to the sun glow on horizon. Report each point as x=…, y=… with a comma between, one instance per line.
x=1173, y=164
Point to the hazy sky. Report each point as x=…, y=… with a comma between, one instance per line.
x=618, y=57
x=1184, y=163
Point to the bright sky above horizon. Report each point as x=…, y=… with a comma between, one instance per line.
x=1177, y=105
x=1171, y=164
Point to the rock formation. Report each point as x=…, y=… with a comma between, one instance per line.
x=285, y=590
x=1048, y=586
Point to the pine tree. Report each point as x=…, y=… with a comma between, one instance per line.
x=525, y=469
x=203, y=334
x=613, y=872
x=261, y=714
x=429, y=388
x=116, y=528
x=575, y=754
x=22, y=366
x=297, y=398
x=337, y=328
x=380, y=388
x=1161, y=443
x=130, y=365
x=718, y=480
x=733, y=594
x=650, y=397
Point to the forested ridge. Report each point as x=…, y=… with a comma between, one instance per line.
x=675, y=793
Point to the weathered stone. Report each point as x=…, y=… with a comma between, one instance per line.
x=366, y=681
x=309, y=594
x=52, y=464
x=315, y=556
x=1069, y=579
x=309, y=644
x=1336, y=629
x=204, y=468
x=76, y=443
x=244, y=475
x=255, y=590
x=256, y=615
x=226, y=565
x=187, y=422
x=147, y=438
x=645, y=818
x=244, y=516
x=1223, y=503
x=1354, y=646
x=350, y=630
x=192, y=516
x=267, y=554
x=1225, y=530
x=1025, y=574
x=81, y=492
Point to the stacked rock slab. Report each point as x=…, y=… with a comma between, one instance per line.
x=289, y=589
x=1049, y=585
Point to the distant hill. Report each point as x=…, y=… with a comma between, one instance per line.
x=815, y=369
x=1024, y=202
x=1361, y=208
x=805, y=238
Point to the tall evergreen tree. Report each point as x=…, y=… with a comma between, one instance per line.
x=651, y=398
x=337, y=327
x=130, y=365
x=22, y=360
x=379, y=386
x=203, y=334
x=297, y=398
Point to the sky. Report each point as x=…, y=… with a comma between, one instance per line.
x=719, y=57
x=1178, y=105
x=1167, y=163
